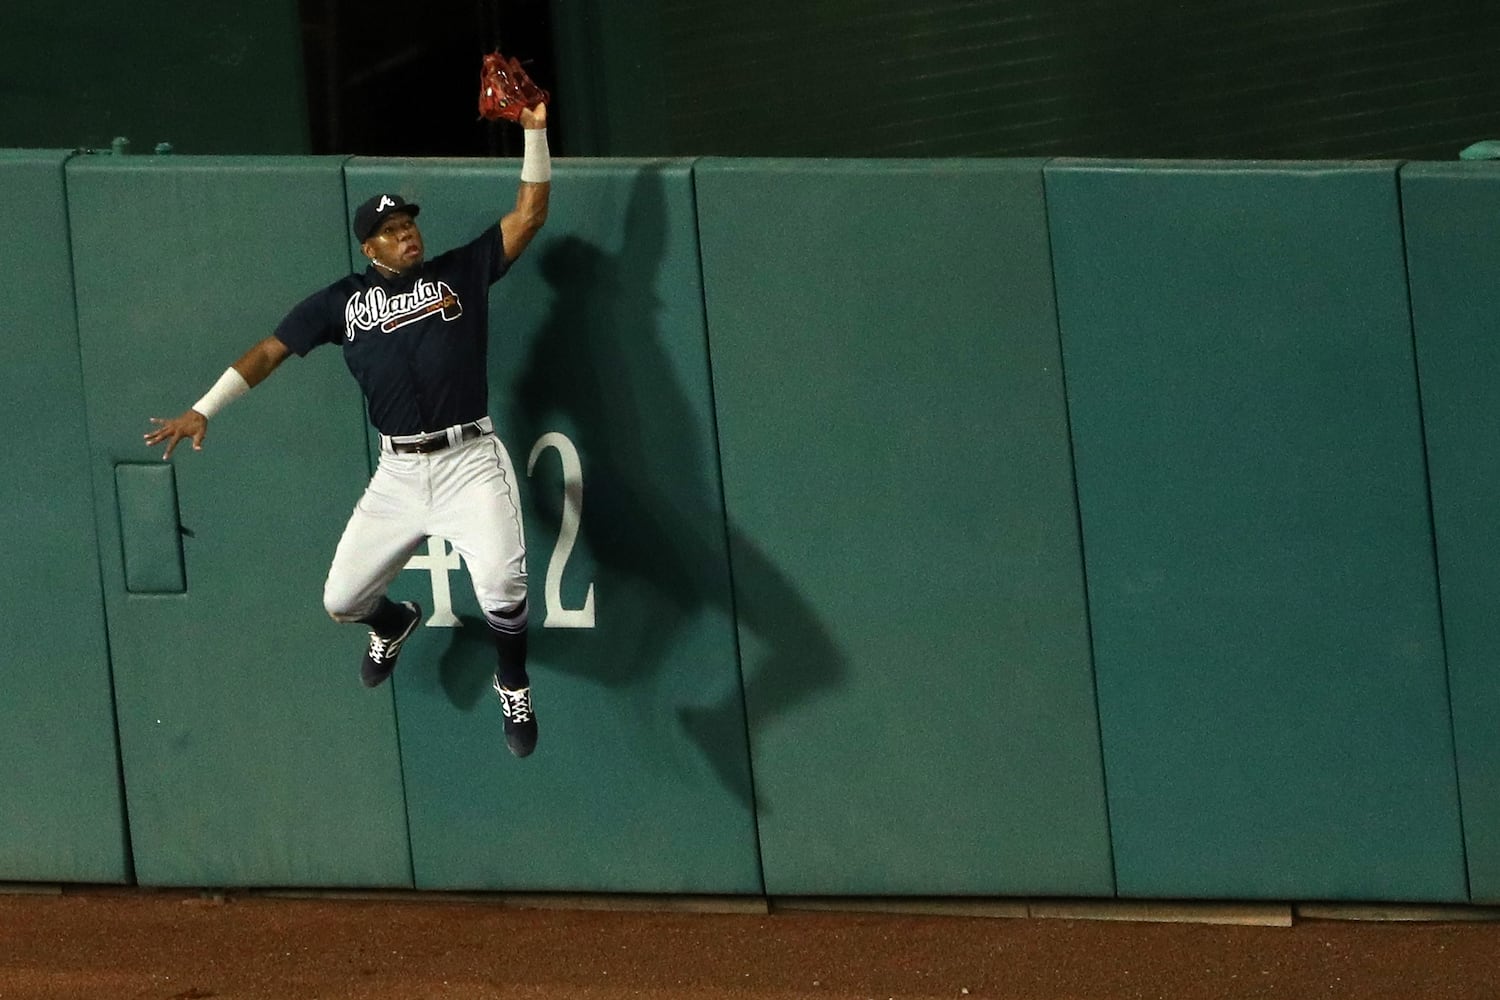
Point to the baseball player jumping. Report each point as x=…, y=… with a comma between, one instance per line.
x=414, y=333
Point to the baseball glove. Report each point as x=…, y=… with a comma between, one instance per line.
x=505, y=90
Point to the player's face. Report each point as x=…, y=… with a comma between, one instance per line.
x=397, y=243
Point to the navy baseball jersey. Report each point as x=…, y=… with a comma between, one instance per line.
x=416, y=343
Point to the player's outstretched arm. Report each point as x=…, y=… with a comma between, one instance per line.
x=521, y=224
x=249, y=371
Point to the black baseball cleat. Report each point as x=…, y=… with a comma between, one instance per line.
x=520, y=720
x=380, y=662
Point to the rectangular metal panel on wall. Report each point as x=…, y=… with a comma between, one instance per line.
x=1452, y=259
x=599, y=386
x=252, y=755
x=150, y=528
x=904, y=541
x=1256, y=533
x=61, y=810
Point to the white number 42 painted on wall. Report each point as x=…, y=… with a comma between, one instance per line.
x=439, y=560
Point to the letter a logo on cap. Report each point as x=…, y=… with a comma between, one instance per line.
x=385, y=202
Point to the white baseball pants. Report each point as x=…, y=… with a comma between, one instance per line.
x=466, y=493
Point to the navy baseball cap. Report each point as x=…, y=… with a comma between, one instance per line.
x=369, y=216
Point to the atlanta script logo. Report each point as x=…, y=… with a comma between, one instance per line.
x=374, y=308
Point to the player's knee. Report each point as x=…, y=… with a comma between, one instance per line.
x=344, y=607
x=344, y=616
x=501, y=591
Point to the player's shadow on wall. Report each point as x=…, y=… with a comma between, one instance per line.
x=652, y=507
x=467, y=663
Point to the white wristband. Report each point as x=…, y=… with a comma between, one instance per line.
x=536, y=162
x=231, y=386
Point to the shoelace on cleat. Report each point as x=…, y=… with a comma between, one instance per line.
x=515, y=704
x=377, y=647
x=382, y=648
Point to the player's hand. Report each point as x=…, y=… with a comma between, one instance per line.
x=534, y=117
x=191, y=424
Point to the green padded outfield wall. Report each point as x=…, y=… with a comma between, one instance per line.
x=598, y=364
x=1452, y=261
x=61, y=811
x=903, y=532
x=1262, y=592
x=252, y=755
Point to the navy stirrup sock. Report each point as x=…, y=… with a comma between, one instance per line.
x=388, y=618
x=508, y=627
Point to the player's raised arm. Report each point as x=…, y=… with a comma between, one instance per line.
x=246, y=373
x=507, y=93
x=521, y=224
